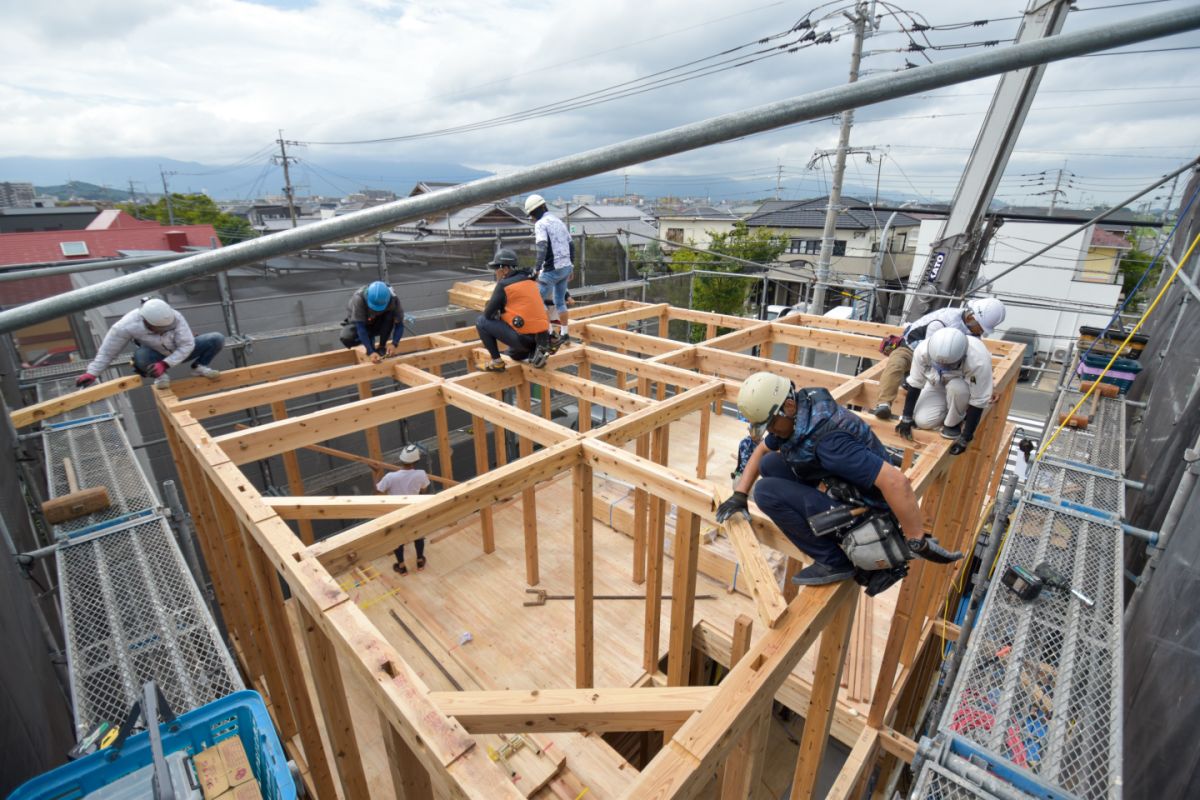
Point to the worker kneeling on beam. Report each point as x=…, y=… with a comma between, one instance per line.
x=375, y=319
x=979, y=318
x=163, y=339
x=827, y=481
x=514, y=315
x=949, y=386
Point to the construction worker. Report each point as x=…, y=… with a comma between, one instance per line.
x=816, y=455
x=163, y=340
x=554, y=265
x=374, y=319
x=514, y=315
x=949, y=386
x=409, y=479
x=979, y=318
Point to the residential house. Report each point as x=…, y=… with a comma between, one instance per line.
x=16, y=195
x=695, y=225
x=60, y=218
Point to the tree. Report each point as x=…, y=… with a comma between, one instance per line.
x=195, y=209
x=728, y=295
x=1133, y=266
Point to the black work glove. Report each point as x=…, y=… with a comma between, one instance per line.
x=930, y=549
x=904, y=428
x=736, y=504
x=959, y=446
x=86, y=379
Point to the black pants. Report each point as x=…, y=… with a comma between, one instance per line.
x=521, y=345
x=380, y=333
x=420, y=543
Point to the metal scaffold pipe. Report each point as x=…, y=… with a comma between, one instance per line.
x=726, y=127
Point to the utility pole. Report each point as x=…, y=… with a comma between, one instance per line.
x=627, y=187
x=167, y=194
x=132, y=194
x=860, y=18
x=284, y=159
x=778, y=181
x=1056, y=191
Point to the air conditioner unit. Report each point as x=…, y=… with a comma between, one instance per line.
x=1059, y=355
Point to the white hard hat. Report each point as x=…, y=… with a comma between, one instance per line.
x=761, y=397
x=988, y=311
x=533, y=201
x=947, y=346
x=156, y=313
x=410, y=454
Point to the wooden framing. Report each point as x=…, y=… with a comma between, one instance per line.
x=430, y=735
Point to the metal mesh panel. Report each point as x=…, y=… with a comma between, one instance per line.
x=35, y=374
x=101, y=456
x=937, y=783
x=1040, y=683
x=1062, y=483
x=131, y=614
x=48, y=390
x=1102, y=444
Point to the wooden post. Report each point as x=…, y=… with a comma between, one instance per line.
x=486, y=522
x=585, y=407
x=499, y=435
x=335, y=710
x=374, y=448
x=641, y=513
x=656, y=534
x=410, y=779
x=683, y=595
x=445, y=454
x=291, y=468
x=584, y=589
x=743, y=768
x=826, y=680
x=702, y=444
x=528, y=498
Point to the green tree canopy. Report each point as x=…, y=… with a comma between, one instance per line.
x=1133, y=265
x=728, y=295
x=195, y=209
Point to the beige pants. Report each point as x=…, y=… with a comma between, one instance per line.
x=895, y=370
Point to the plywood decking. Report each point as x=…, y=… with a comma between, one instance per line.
x=355, y=648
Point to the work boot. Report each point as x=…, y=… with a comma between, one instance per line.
x=818, y=574
x=883, y=411
x=951, y=431
x=206, y=371
x=162, y=382
x=538, y=359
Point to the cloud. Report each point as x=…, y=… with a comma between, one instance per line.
x=213, y=80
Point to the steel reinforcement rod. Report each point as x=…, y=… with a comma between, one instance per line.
x=725, y=127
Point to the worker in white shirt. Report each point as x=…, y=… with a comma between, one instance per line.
x=949, y=385
x=409, y=479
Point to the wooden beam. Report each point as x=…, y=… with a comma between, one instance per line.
x=374, y=445
x=656, y=534
x=277, y=391
x=645, y=420
x=625, y=340
x=768, y=598
x=585, y=656
x=683, y=596
x=260, y=373
x=586, y=390
x=739, y=367
x=897, y=745
x=528, y=496
x=743, y=769
x=410, y=779
x=830, y=341
x=279, y=437
x=487, y=523
x=291, y=468
x=642, y=368
x=516, y=420
x=688, y=761
x=827, y=678
x=856, y=767
x=711, y=318
x=380, y=536
x=587, y=710
x=339, y=506
x=24, y=417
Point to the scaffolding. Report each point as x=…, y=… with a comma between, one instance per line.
x=1038, y=697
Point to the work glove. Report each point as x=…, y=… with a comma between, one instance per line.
x=86, y=379
x=390, y=350
x=930, y=549
x=736, y=504
x=375, y=357
x=904, y=428
x=959, y=446
x=156, y=369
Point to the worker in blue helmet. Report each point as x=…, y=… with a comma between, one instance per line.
x=374, y=319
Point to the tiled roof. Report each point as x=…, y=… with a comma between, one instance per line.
x=811, y=214
x=1103, y=238
x=24, y=248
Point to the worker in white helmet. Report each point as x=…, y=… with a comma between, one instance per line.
x=949, y=386
x=978, y=318
x=409, y=479
x=163, y=340
x=553, y=265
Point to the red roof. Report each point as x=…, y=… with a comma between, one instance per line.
x=108, y=234
x=1103, y=238
x=25, y=248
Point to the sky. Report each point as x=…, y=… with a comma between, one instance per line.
x=214, y=81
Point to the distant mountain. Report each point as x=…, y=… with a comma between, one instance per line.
x=331, y=177
x=79, y=190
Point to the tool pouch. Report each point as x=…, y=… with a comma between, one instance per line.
x=875, y=544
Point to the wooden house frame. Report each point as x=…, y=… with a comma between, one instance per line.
x=255, y=545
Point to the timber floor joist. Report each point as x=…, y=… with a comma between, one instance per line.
x=651, y=381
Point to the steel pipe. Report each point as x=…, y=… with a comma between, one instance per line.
x=726, y=127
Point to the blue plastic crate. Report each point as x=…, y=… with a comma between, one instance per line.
x=1122, y=373
x=240, y=714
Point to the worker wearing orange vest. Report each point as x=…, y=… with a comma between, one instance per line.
x=515, y=315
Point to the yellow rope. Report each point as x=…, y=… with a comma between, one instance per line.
x=1096, y=382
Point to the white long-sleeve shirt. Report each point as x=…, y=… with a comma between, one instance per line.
x=176, y=343
x=975, y=369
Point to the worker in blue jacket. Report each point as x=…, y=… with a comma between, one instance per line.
x=374, y=319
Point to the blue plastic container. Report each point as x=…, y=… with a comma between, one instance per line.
x=240, y=714
x=1122, y=373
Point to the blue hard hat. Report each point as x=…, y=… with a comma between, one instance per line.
x=379, y=294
